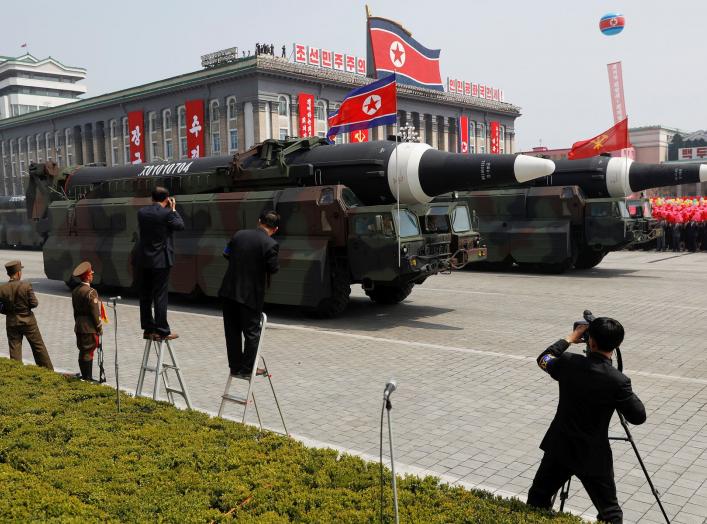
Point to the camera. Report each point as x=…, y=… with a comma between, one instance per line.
x=588, y=317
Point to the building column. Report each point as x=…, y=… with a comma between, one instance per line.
x=262, y=123
x=420, y=123
x=444, y=146
x=511, y=142
x=99, y=142
x=77, y=147
x=248, y=125
x=434, y=127
x=453, y=135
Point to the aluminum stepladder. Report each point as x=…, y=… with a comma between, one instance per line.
x=160, y=370
x=244, y=401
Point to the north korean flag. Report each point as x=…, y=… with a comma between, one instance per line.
x=365, y=107
x=393, y=50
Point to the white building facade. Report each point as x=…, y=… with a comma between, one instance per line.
x=29, y=84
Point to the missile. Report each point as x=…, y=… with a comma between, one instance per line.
x=379, y=172
x=602, y=177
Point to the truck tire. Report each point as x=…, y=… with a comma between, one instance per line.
x=587, y=259
x=335, y=304
x=387, y=294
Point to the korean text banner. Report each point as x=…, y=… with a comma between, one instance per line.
x=136, y=128
x=196, y=143
x=306, y=115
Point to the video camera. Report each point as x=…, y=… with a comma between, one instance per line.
x=588, y=318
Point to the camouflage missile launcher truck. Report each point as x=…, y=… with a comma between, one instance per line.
x=340, y=222
x=576, y=215
x=15, y=229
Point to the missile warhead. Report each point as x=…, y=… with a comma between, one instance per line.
x=602, y=177
x=414, y=173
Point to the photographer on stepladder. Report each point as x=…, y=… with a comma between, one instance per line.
x=577, y=442
x=252, y=256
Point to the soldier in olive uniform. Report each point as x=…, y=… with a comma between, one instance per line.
x=87, y=314
x=17, y=300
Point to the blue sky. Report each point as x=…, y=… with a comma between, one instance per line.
x=548, y=56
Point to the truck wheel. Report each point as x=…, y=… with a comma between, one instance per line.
x=335, y=304
x=386, y=294
x=588, y=259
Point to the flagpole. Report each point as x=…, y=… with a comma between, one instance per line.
x=397, y=179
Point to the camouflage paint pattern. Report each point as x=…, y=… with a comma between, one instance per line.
x=553, y=228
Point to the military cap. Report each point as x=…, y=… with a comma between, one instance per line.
x=83, y=267
x=14, y=266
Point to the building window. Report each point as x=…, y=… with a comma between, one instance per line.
x=167, y=134
x=40, y=147
x=31, y=151
x=231, y=115
x=13, y=166
x=114, y=147
x=58, y=144
x=152, y=129
x=126, y=141
x=320, y=119
x=481, y=134
x=472, y=138
x=49, y=146
x=283, y=116
x=69, y=144
x=20, y=153
x=214, y=127
x=182, y=116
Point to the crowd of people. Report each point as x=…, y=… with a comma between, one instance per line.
x=683, y=221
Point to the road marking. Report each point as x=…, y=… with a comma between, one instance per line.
x=407, y=343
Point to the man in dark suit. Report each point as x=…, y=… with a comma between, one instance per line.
x=155, y=257
x=577, y=441
x=252, y=258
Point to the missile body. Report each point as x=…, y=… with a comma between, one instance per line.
x=379, y=172
x=602, y=177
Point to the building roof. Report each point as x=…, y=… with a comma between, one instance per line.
x=697, y=135
x=260, y=64
x=30, y=60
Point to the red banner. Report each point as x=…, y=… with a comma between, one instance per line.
x=306, y=115
x=464, y=134
x=196, y=129
x=136, y=125
x=494, y=132
x=616, y=83
x=359, y=136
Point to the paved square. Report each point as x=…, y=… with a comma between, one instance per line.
x=472, y=405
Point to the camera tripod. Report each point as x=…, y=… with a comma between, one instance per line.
x=565, y=489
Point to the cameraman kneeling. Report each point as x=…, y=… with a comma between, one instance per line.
x=577, y=441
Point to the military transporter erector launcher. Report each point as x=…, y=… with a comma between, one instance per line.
x=345, y=215
x=573, y=217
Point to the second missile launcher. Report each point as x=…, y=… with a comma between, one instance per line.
x=576, y=215
x=349, y=215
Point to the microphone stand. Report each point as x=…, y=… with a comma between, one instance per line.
x=387, y=406
x=114, y=307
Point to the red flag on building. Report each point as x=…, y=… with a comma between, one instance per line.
x=612, y=139
x=463, y=134
x=196, y=130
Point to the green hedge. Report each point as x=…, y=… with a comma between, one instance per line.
x=66, y=455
